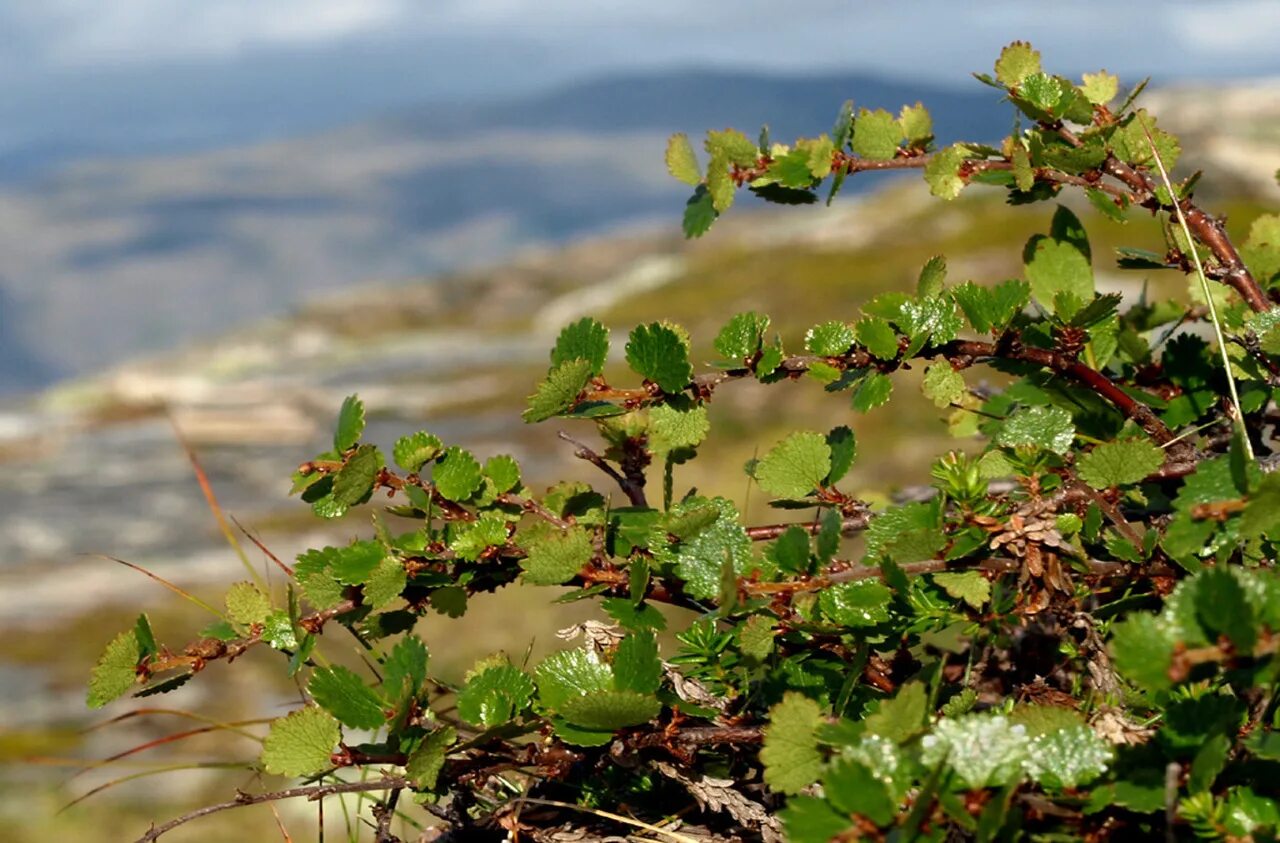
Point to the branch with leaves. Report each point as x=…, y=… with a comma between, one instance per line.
x=1082, y=600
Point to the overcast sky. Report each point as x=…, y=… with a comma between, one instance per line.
x=221, y=70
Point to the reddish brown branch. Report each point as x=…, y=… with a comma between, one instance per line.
x=850, y=524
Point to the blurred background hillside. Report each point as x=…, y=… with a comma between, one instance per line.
x=228, y=215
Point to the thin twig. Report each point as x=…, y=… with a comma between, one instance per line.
x=634, y=493
x=311, y=792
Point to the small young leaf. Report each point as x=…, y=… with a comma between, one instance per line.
x=1017, y=61
x=343, y=694
x=457, y=474
x=1100, y=88
x=876, y=135
x=795, y=466
x=942, y=173
x=354, y=482
x=503, y=472
x=424, y=765
x=301, y=743
x=246, y=604
x=856, y=604
x=932, y=277
x=970, y=586
x=677, y=425
x=699, y=213
x=942, y=384
x=872, y=391
x=844, y=448
x=830, y=339
x=558, y=393
x=554, y=556
x=682, y=163
x=916, y=125
x=636, y=666
x=405, y=668
x=1119, y=463
x=1050, y=428
x=659, y=354
x=697, y=537
x=495, y=696
x=385, y=584
x=350, y=424
x=741, y=337
x=585, y=339
x=878, y=336
x=116, y=671
x=790, y=755
x=414, y=451
x=901, y=717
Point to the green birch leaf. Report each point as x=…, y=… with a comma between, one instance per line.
x=414, y=451
x=1050, y=428
x=554, y=556
x=682, y=163
x=1023, y=176
x=1261, y=252
x=699, y=213
x=636, y=666
x=901, y=717
x=495, y=696
x=386, y=583
x=844, y=449
x=424, y=765
x=1130, y=144
x=791, y=551
x=246, y=604
x=876, y=135
x=942, y=173
x=570, y=674
x=942, y=384
x=343, y=694
x=559, y=392
x=503, y=472
x=795, y=466
x=300, y=744
x=1119, y=463
x=978, y=304
x=790, y=754
x=720, y=184
x=1142, y=649
x=856, y=604
x=355, y=563
x=673, y=425
x=808, y=819
x=116, y=672
x=1017, y=61
x=354, y=482
x=278, y=632
x=1056, y=265
x=755, y=636
x=350, y=424
x=659, y=354
x=872, y=391
x=696, y=538
x=878, y=336
x=609, y=711
x=733, y=146
x=585, y=339
x=316, y=579
x=1223, y=609
x=457, y=474
x=970, y=586
x=472, y=540
x=405, y=668
x=854, y=789
x=932, y=276
x=916, y=125
x=830, y=339
x=1099, y=88
x=741, y=337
